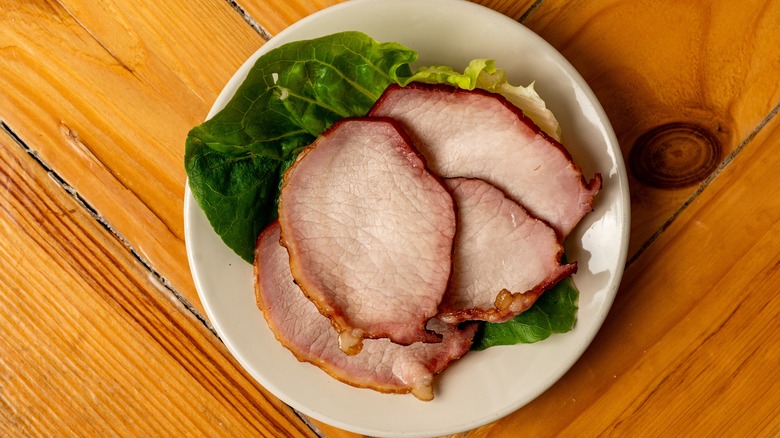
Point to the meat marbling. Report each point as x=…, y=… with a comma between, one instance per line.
x=478, y=134
x=381, y=365
x=369, y=232
x=503, y=258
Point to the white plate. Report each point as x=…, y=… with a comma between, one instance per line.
x=483, y=386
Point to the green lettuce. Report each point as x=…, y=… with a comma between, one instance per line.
x=554, y=312
x=483, y=74
x=235, y=160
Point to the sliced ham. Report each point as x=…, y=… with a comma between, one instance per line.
x=369, y=232
x=477, y=134
x=381, y=365
x=503, y=258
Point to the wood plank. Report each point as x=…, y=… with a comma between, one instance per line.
x=703, y=75
x=109, y=110
x=92, y=345
x=693, y=337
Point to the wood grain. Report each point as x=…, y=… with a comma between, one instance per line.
x=104, y=93
x=91, y=342
x=692, y=337
x=110, y=107
x=710, y=66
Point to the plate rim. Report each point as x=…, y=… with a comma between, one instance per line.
x=274, y=388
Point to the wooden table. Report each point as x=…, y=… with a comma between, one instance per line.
x=102, y=331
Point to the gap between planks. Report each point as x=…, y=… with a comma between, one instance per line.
x=80, y=200
x=531, y=9
x=254, y=24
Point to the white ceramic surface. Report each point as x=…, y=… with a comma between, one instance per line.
x=483, y=386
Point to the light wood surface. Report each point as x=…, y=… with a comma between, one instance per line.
x=103, y=332
x=92, y=343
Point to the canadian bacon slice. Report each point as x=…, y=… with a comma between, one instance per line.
x=504, y=259
x=369, y=232
x=478, y=134
x=381, y=365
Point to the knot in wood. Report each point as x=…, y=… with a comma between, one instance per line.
x=674, y=155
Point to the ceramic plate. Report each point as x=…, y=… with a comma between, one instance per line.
x=483, y=386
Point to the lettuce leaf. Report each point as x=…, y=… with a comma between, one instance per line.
x=234, y=161
x=554, y=312
x=483, y=73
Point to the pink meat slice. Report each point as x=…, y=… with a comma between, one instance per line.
x=503, y=259
x=478, y=134
x=369, y=231
x=381, y=365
